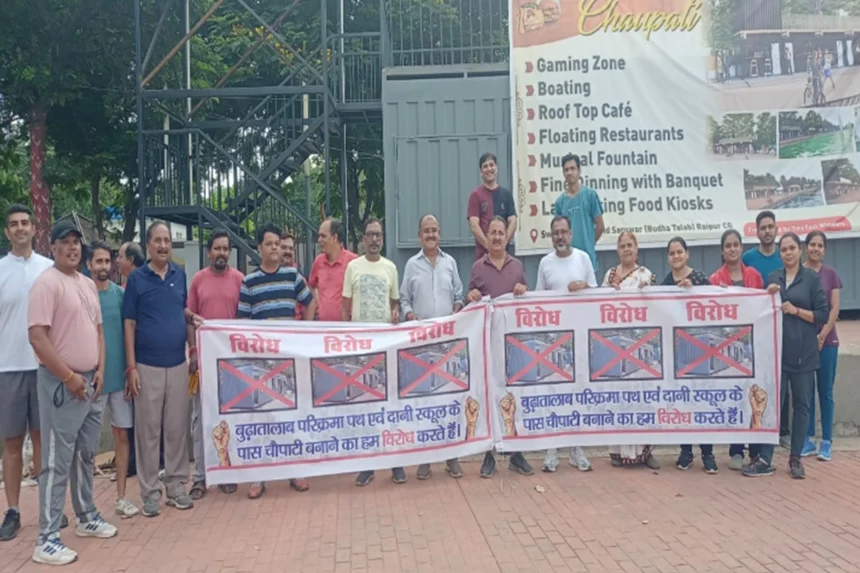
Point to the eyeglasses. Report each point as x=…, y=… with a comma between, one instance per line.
x=373, y=235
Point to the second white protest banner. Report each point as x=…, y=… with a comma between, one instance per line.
x=656, y=366
x=299, y=399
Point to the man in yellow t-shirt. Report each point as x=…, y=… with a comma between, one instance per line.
x=370, y=294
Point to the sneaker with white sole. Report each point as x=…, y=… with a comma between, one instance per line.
x=54, y=552
x=737, y=463
x=98, y=527
x=125, y=508
x=579, y=460
x=550, y=461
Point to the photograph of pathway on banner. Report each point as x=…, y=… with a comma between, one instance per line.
x=660, y=366
x=284, y=399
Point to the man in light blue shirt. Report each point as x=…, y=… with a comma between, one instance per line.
x=765, y=259
x=582, y=207
x=431, y=288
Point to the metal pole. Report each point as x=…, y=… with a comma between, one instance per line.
x=341, y=30
x=344, y=183
x=139, y=81
x=187, y=72
x=306, y=166
x=326, y=109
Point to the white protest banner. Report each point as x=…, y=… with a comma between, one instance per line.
x=285, y=399
x=656, y=366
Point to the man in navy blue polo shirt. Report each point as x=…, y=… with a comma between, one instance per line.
x=156, y=331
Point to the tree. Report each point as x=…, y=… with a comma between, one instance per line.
x=49, y=62
x=765, y=131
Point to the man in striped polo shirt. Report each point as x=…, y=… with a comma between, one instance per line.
x=271, y=293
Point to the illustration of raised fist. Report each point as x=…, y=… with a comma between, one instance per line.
x=471, y=413
x=221, y=438
x=508, y=405
x=758, y=402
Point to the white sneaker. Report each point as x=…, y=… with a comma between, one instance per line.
x=95, y=528
x=53, y=552
x=579, y=460
x=550, y=461
x=161, y=476
x=125, y=508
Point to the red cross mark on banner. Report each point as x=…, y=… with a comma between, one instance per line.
x=714, y=352
x=254, y=384
x=435, y=368
x=348, y=379
x=624, y=353
x=538, y=358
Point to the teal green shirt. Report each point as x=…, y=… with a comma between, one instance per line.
x=581, y=210
x=111, y=303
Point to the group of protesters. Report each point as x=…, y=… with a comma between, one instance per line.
x=78, y=346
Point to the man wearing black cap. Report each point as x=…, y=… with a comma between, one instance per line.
x=65, y=330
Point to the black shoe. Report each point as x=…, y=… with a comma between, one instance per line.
x=364, y=478
x=710, y=463
x=398, y=475
x=11, y=525
x=488, y=468
x=685, y=461
x=796, y=468
x=64, y=522
x=519, y=464
x=758, y=468
x=423, y=471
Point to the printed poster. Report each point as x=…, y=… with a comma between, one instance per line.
x=284, y=399
x=657, y=366
x=689, y=116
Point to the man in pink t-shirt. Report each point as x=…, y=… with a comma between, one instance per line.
x=328, y=271
x=214, y=295
x=65, y=329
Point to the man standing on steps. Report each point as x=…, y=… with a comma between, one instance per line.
x=213, y=295
x=19, y=404
x=495, y=274
x=328, y=271
x=65, y=331
x=765, y=259
x=156, y=333
x=581, y=205
x=370, y=295
x=565, y=269
x=431, y=288
x=114, y=394
x=489, y=200
x=271, y=293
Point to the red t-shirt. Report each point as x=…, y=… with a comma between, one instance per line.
x=327, y=278
x=486, y=204
x=215, y=296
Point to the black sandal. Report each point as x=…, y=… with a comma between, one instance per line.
x=198, y=490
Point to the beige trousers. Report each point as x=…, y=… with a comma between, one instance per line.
x=161, y=405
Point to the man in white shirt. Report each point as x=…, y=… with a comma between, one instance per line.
x=19, y=406
x=565, y=269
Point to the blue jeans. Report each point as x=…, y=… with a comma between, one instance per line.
x=826, y=376
x=801, y=386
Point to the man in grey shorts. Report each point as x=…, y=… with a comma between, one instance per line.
x=19, y=406
x=117, y=400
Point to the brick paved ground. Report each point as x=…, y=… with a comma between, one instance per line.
x=607, y=520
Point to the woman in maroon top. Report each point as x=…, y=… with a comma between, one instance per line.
x=685, y=277
x=828, y=346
